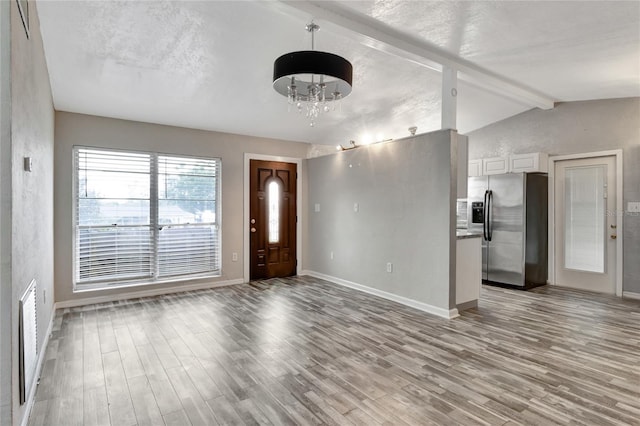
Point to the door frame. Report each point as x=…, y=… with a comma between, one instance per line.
x=617, y=153
x=246, y=257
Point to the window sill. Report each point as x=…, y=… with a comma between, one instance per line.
x=85, y=288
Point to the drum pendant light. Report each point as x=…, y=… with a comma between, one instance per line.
x=314, y=82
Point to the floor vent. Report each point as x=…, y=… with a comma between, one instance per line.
x=27, y=340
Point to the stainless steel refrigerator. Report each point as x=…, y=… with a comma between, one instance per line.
x=510, y=210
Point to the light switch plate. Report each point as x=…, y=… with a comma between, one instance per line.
x=633, y=207
x=316, y=207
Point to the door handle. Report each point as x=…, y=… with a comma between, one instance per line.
x=484, y=216
x=253, y=229
x=490, y=216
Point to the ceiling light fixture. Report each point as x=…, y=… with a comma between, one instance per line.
x=352, y=143
x=312, y=81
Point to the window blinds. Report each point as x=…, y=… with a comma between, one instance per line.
x=144, y=217
x=188, y=234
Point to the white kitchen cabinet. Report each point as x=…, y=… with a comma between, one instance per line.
x=495, y=166
x=468, y=272
x=514, y=163
x=475, y=168
x=534, y=162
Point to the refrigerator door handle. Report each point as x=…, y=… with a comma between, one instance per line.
x=484, y=216
x=490, y=216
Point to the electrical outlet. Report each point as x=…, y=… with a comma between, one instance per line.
x=234, y=257
x=633, y=207
x=331, y=255
x=316, y=207
x=356, y=207
x=389, y=267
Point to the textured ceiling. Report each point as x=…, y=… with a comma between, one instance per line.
x=208, y=65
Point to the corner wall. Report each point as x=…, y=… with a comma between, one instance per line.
x=78, y=129
x=405, y=193
x=31, y=192
x=572, y=128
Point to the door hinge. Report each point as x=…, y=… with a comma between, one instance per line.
x=296, y=219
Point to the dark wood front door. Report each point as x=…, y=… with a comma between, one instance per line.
x=273, y=219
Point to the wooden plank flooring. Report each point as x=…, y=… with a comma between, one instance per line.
x=304, y=351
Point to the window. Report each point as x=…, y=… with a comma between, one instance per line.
x=585, y=218
x=274, y=212
x=144, y=217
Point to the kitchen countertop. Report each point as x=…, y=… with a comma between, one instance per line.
x=463, y=233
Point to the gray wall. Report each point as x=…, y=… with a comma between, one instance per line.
x=578, y=127
x=32, y=121
x=406, y=205
x=77, y=129
x=5, y=213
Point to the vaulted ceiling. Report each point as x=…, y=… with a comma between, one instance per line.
x=208, y=65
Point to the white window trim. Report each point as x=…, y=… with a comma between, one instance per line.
x=88, y=287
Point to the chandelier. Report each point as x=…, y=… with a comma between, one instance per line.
x=313, y=82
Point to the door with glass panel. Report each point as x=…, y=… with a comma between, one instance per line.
x=585, y=234
x=273, y=219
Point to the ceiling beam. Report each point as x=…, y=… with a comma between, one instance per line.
x=377, y=35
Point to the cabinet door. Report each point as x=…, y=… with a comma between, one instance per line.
x=475, y=168
x=534, y=162
x=495, y=166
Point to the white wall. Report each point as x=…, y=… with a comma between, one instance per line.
x=77, y=129
x=31, y=193
x=577, y=127
x=405, y=191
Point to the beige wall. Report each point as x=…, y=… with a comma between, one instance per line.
x=77, y=129
x=32, y=121
x=572, y=128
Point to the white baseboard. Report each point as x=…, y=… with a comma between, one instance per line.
x=425, y=307
x=36, y=376
x=630, y=295
x=145, y=293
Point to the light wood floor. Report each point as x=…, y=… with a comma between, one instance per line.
x=303, y=351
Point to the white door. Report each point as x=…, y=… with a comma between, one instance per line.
x=585, y=234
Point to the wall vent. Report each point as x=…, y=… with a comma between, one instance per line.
x=27, y=340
